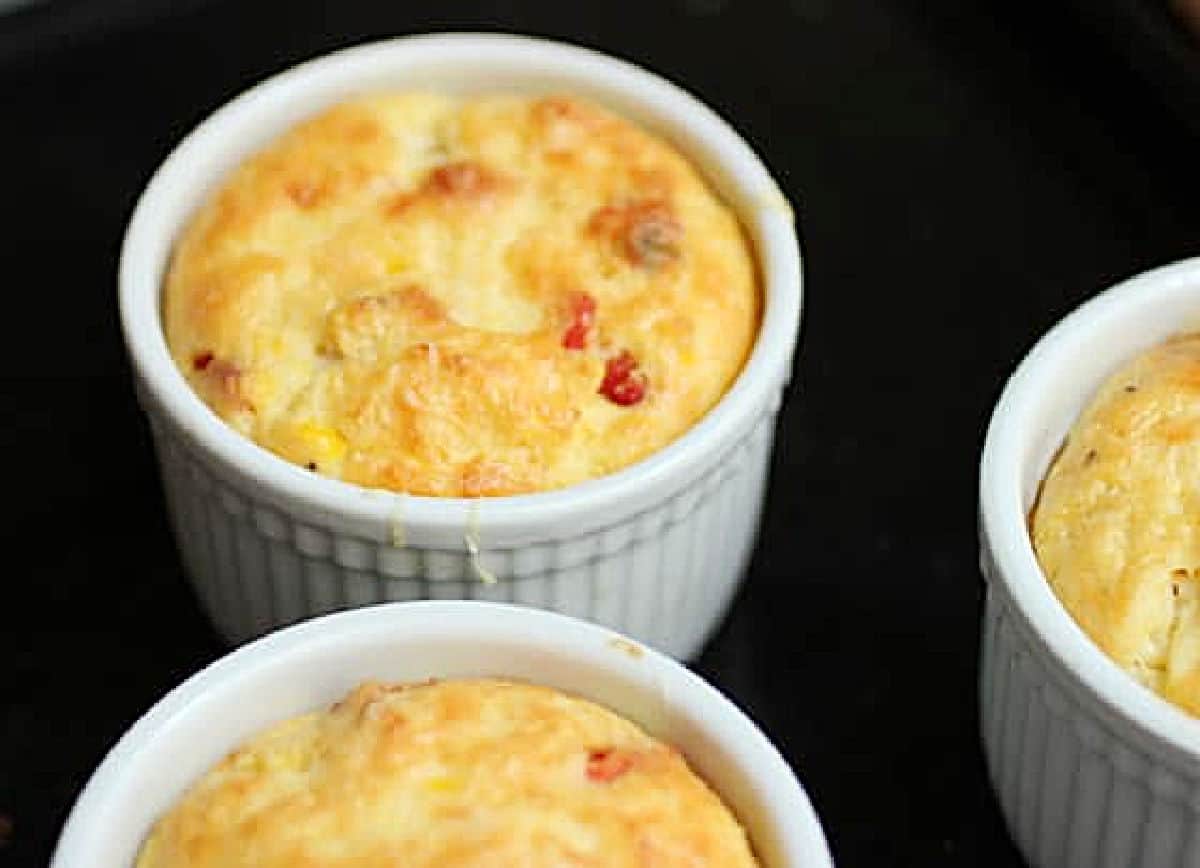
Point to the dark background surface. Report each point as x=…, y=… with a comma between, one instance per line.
x=963, y=176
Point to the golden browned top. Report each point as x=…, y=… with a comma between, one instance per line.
x=463, y=297
x=452, y=774
x=1117, y=525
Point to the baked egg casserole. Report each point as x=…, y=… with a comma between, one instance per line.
x=1117, y=524
x=450, y=774
x=463, y=297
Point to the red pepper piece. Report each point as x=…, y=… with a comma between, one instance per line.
x=623, y=383
x=200, y=361
x=619, y=367
x=583, y=316
x=604, y=766
x=628, y=392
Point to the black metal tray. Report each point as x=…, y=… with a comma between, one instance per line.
x=35, y=29
x=1156, y=44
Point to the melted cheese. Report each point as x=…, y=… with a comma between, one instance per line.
x=384, y=293
x=1117, y=524
x=451, y=774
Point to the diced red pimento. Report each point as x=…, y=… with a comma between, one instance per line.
x=623, y=383
x=604, y=766
x=583, y=317
x=200, y=361
x=628, y=392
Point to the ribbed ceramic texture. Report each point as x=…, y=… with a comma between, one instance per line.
x=1074, y=785
x=664, y=576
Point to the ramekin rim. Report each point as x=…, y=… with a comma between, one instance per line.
x=543, y=628
x=1006, y=534
x=767, y=368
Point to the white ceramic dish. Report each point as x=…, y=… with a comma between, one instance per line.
x=655, y=550
x=1091, y=769
x=313, y=664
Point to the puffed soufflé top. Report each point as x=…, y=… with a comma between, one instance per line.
x=463, y=296
x=1117, y=523
x=451, y=774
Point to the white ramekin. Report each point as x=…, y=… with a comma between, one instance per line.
x=1091, y=769
x=313, y=664
x=655, y=550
